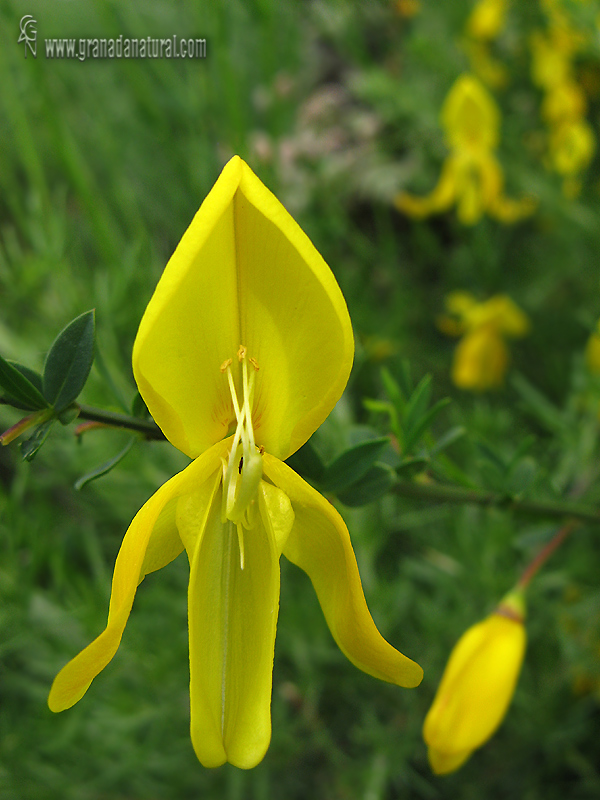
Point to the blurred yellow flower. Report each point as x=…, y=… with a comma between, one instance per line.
x=571, y=147
x=471, y=178
x=571, y=140
x=487, y=19
x=481, y=357
x=484, y=24
x=476, y=687
x=592, y=351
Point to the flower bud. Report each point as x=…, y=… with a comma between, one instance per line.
x=477, y=686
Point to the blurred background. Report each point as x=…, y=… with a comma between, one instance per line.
x=338, y=107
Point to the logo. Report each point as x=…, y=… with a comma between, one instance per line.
x=28, y=34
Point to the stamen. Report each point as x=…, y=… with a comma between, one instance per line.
x=243, y=472
x=240, y=535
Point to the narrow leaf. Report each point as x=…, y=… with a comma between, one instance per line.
x=417, y=405
x=19, y=383
x=69, y=361
x=373, y=485
x=30, y=446
x=393, y=390
x=414, y=435
x=384, y=407
x=351, y=465
x=412, y=466
x=448, y=438
x=538, y=404
x=307, y=462
x=104, y=468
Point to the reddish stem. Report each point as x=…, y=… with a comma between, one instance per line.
x=545, y=553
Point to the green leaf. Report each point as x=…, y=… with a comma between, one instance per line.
x=521, y=477
x=69, y=361
x=30, y=446
x=393, y=390
x=538, y=404
x=352, y=465
x=409, y=467
x=384, y=407
x=414, y=435
x=22, y=386
x=307, y=462
x=373, y=485
x=405, y=378
x=106, y=467
x=448, y=438
x=417, y=405
x=492, y=457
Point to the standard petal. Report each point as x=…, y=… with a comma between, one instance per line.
x=191, y=326
x=232, y=623
x=150, y=542
x=293, y=319
x=319, y=543
x=243, y=273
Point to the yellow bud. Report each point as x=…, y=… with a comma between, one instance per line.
x=476, y=687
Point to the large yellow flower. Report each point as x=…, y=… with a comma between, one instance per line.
x=247, y=336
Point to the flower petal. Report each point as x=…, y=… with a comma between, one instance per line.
x=477, y=686
x=294, y=321
x=443, y=763
x=150, y=543
x=319, y=543
x=243, y=273
x=232, y=623
x=191, y=325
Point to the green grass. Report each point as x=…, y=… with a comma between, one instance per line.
x=102, y=167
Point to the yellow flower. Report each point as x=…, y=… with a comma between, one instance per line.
x=476, y=687
x=471, y=175
x=571, y=147
x=487, y=19
x=564, y=101
x=481, y=357
x=248, y=334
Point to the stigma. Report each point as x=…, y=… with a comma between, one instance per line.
x=243, y=471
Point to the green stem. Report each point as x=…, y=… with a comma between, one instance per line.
x=538, y=508
x=146, y=426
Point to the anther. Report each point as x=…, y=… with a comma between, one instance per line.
x=254, y=363
x=226, y=364
x=241, y=354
